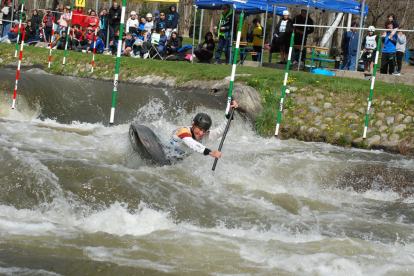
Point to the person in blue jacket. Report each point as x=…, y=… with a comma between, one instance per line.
x=224, y=29
x=389, y=50
x=161, y=24
x=172, y=20
x=350, y=48
x=99, y=47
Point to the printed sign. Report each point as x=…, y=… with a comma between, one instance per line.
x=80, y=3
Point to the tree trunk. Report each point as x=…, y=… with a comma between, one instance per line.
x=186, y=20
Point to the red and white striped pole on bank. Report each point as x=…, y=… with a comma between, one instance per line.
x=18, y=70
x=51, y=44
x=94, y=47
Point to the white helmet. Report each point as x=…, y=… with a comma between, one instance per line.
x=285, y=12
x=371, y=29
x=149, y=15
x=133, y=13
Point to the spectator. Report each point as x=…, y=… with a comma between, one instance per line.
x=89, y=12
x=300, y=31
x=24, y=17
x=173, y=44
x=163, y=41
x=39, y=36
x=7, y=13
x=369, y=46
x=172, y=20
x=78, y=17
x=58, y=14
x=36, y=20
x=99, y=46
x=113, y=44
x=132, y=23
x=142, y=24
x=48, y=20
x=64, y=20
x=206, y=50
x=146, y=44
x=30, y=31
x=244, y=31
x=76, y=37
x=12, y=36
x=100, y=33
x=149, y=25
x=55, y=37
x=92, y=21
x=85, y=43
x=388, y=52
x=114, y=19
x=157, y=16
x=103, y=23
x=350, y=48
x=224, y=28
x=75, y=30
x=61, y=42
x=127, y=45
x=161, y=23
x=283, y=32
x=257, y=39
x=400, y=48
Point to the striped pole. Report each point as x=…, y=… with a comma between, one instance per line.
x=94, y=46
x=284, y=84
x=20, y=26
x=372, y=88
x=118, y=58
x=50, y=53
x=67, y=35
x=18, y=71
x=233, y=70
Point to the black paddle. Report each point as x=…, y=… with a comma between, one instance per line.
x=224, y=137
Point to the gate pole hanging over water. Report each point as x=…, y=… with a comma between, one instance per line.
x=18, y=71
x=372, y=88
x=284, y=84
x=94, y=47
x=20, y=26
x=67, y=35
x=118, y=57
x=51, y=44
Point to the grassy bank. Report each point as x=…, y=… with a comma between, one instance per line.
x=333, y=99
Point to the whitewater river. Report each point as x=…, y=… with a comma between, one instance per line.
x=75, y=199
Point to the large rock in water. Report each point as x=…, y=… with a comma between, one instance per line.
x=249, y=101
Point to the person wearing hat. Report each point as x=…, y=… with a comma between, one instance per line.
x=157, y=16
x=92, y=21
x=283, y=33
x=149, y=25
x=7, y=14
x=78, y=17
x=48, y=21
x=87, y=42
x=132, y=23
x=369, y=47
x=194, y=137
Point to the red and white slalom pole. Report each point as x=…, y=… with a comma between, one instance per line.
x=18, y=70
x=51, y=44
x=94, y=47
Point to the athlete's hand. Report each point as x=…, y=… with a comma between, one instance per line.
x=215, y=154
x=234, y=104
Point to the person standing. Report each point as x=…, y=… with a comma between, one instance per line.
x=350, y=48
x=36, y=20
x=257, y=35
x=284, y=30
x=7, y=13
x=388, y=52
x=114, y=19
x=300, y=31
x=400, y=48
x=48, y=20
x=369, y=46
x=103, y=23
x=172, y=20
x=78, y=17
x=64, y=21
x=224, y=28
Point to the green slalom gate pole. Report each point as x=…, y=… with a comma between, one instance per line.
x=118, y=58
x=284, y=85
x=233, y=70
x=20, y=26
x=67, y=35
x=372, y=88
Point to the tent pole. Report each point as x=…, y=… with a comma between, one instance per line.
x=96, y=7
x=195, y=17
x=201, y=26
x=320, y=30
x=264, y=36
x=273, y=31
x=231, y=38
x=360, y=34
x=303, y=39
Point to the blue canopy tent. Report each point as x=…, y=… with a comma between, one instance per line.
x=249, y=7
x=325, y=6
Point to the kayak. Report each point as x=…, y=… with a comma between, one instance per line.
x=147, y=144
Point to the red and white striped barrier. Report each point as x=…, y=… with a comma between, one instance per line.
x=51, y=44
x=18, y=70
x=94, y=47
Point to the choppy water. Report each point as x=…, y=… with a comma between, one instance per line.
x=76, y=199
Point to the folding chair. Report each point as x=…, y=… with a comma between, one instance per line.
x=153, y=51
